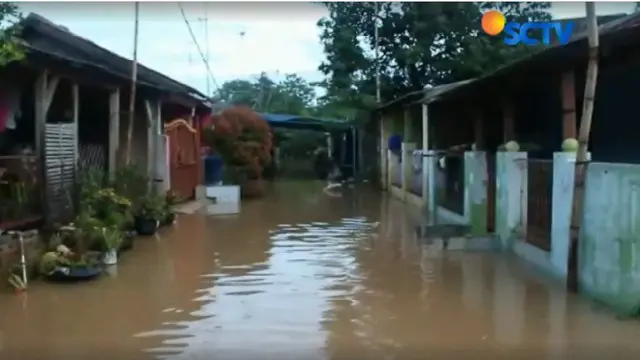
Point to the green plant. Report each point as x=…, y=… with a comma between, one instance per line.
x=111, y=237
x=86, y=232
x=150, y=207
x=172, y=198
x=131, y=181
x=242, y=138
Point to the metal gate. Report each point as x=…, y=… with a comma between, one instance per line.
x=540, y=184
x=184, y=158
x=60, y=166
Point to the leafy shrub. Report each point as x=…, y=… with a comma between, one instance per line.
x=242, y=138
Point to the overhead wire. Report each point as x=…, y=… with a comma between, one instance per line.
x=195, y=41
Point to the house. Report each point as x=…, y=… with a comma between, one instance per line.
x=527, y=194
x=74, y=113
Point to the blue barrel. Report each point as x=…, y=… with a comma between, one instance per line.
x=394, y=143
x=212, y=169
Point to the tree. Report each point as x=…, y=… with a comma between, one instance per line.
x=10, y=49
x=293, y=95
x=419, y=44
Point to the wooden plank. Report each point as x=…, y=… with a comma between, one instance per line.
x=75, y=104
x=114, y=131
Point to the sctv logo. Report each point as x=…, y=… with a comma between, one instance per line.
x=494, y=23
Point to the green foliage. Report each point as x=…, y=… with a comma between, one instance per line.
x=111, y=237
x=293, y=95
x=419, y=44
x=242, y=138
x=10, y=48
x=150, y=207
x=131, y=181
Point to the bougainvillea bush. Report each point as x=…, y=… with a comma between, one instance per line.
x=242, y=138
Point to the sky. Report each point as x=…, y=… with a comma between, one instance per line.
x=244, y=38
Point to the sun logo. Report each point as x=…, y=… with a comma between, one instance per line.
x=493, y=22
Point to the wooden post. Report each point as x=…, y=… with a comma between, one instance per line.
x=567, y=87
x=75, y=109
x=43, y=94
x=153, y=110
x=425, y=160
x=507, y=122
x=134, y=81
x=407, y=147
x=583, y=142
x=44, y=90
x=40, y=113
x=114, y=131
x=384, y=166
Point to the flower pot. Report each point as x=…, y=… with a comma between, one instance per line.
x=110, y=257
x=253, y=188
x=146, y=226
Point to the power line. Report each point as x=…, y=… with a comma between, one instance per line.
x=193, y=37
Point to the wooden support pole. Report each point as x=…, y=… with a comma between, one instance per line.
x=75, y=111
x=583, y=142
x=114, y=131
x=152, y=110
x=40, y=112
x=567, y=86
x=425, y=160
x=52, y=85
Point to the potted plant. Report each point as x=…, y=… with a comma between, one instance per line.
x=171, y=199
x=148, y=215
x=112, y=239
x=244, y=141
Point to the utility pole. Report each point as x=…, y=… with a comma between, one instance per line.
x=375, y=51
x=205, y=22
x=583, y=142
x=134, y=79
x=206, y=39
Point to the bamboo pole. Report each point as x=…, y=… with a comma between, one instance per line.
x=376, y=49
x=134, y=79
x=583, y=142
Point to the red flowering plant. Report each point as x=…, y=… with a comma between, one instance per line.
x=242, y=138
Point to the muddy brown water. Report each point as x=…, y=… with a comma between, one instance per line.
x=301, y=275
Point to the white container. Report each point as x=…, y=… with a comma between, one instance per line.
x=110, y=257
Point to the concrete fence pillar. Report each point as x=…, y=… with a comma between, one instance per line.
x=561, y=206
x=511, y=197
x=407, y=167
x=475, y=191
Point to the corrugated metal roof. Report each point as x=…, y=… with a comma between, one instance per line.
x=613, y=34
x=303, y=122
x=43, y=36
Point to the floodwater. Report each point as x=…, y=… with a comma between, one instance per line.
x=303, y=275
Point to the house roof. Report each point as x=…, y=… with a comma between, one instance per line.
x=304, y=122
x=45, y=37
x=614, y=32
x=425, y=96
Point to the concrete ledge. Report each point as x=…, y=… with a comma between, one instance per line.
x=449, y=216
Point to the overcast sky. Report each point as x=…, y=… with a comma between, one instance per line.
x=244, y=38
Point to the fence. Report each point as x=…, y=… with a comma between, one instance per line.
x=540, y=185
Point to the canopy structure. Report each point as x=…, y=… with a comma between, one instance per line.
x=305, y=122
